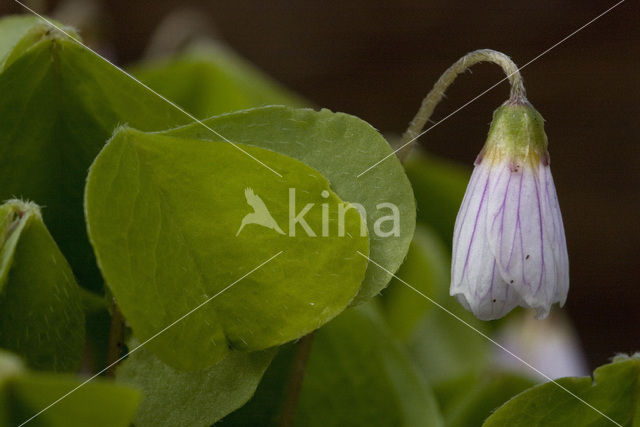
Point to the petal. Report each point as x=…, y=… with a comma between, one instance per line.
x=468, y=237
x=558, y=240
x=521, y=228
x=475, y=279
x=498, y=300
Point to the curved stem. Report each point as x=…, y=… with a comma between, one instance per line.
x=298, y=369
x=432, y=99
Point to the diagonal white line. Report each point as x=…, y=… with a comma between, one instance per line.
x=173, y=104
x=492, y=87
x=181, y=318
x=493, y=341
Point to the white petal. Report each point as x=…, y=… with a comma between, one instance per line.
x=498, y=300
x=475, y=279
x=468, y=238
x=521, y=226
x=559, y=243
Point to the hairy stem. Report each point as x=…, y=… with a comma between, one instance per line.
x=116, y=338
x=298, y=369
x=432, y=99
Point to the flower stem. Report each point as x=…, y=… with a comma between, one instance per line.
x=432, y=99
x=298, y=368
x=116, y=338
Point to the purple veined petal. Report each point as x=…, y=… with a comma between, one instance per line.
x=467, y=236
x=521, y=228
x=498, y=300
x=559, y=243
x=475, y=279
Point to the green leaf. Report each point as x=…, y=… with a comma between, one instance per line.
x=14, y=29
x=18, y=34
x=207, y=79
x=468, y=400
x=442, y=345
x=59, y=104
x=439, y=186
x=426, y=268
x=98, y=403
x=165, y=218
x=198, y=398
x=357, y=375
x=265, y=406
x=614, y=390
x=41, y=316
x=340, y=147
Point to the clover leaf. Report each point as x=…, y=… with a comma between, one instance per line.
x=176, y=221
x=37, y=292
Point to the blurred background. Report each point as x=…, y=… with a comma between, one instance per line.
x=377, y=59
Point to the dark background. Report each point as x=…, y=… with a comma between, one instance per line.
x=377, y=59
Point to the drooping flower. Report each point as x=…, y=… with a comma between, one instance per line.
x=509, y=246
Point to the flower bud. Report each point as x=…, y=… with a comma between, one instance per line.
x=509, y=246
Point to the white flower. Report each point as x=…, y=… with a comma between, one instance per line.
x=551, y=345
x=509, y=247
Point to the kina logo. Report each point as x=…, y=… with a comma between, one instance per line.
x=260, y=215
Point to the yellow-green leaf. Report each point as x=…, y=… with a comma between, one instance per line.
x=175, y=221
x=41, y=316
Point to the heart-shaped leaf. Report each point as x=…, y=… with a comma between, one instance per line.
x=614, y=390
x=59, y=105
x=357, y=375
x=24, y=394
x=198, y=398
x=175, y=221
x=341, y=147
x=41, y=316
x=208, y=79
